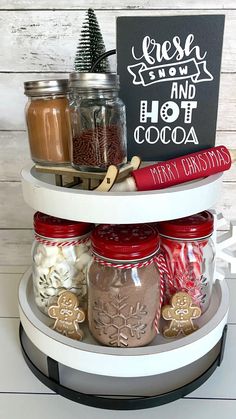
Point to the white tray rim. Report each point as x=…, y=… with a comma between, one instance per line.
x=128, y=362
x=120, y=207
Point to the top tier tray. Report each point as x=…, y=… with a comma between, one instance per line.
x=118, y=207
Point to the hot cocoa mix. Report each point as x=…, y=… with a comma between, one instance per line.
x=49, y=130
x=122, y=304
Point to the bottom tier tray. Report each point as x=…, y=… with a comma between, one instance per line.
x=116, y=378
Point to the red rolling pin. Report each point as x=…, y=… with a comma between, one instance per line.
x=179, y=170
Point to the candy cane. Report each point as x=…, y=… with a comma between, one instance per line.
x=186, y=261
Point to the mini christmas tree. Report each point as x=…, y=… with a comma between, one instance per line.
x=91, y=46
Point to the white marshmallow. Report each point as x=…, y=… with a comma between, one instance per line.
x=40, y=248
x=49, y=250
x=80, y=249
x=69, y=253
x=83, y=261
x=40, y=271
x=48, y=262
x=51, y=291
x=57, y=268
x=61, y=275
x=38, y=258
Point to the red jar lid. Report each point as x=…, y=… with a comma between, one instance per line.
x=192, y=227
x=53, y=227
x=124, y=242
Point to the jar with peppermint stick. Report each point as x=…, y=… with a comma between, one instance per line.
x=98, y=121
x=125, y=285
x=190, y=256
x=61, y=253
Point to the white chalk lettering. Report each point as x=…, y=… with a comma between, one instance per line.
x=152, y=75
x=152, y=135
x=153, y=51
x=161, y=73
x=182, y=91
x=196, y=49
x=137, y=134
x=178, y=135
x=192, y=136
x=153, y=114
x=165, y=111
x=163, y=135
x=172, y=71
x=188, y=106
x=183, y=70
x=148, y=135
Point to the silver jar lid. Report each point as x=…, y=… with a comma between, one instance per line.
x=45, y=87
x=86, y=81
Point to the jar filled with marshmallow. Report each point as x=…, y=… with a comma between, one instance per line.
x=61, y=253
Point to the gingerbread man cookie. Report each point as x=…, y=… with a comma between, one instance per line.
x=181, y=313
x=67, y=315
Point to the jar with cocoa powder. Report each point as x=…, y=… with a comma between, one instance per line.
x=98, y=121
x=124, y=285
x=61, y=253
x=48, y=121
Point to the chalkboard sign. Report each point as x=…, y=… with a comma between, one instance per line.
x=169, y=71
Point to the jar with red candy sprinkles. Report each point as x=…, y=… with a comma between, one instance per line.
x=98, y=121
x=190, y=256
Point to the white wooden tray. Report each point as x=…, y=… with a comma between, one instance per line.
x=115, y=207
x=159, y=357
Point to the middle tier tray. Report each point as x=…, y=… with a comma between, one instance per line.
x=88, y=356
x=41, y=194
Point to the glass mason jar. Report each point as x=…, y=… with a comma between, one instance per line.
x=124, y=295
x=48, y=121
x=190, y=256
x=61, y=253
x=98, y=121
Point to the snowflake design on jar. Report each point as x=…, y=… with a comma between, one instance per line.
x=109, y=318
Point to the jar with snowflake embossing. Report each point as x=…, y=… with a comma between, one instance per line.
x=190, y=256
x=124, y=285
x=61, y=253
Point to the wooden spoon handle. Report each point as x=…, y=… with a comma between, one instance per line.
x=109, y=179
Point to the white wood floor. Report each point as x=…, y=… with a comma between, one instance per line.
x=22, y=396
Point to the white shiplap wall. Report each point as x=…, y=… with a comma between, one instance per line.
x=39, y=40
